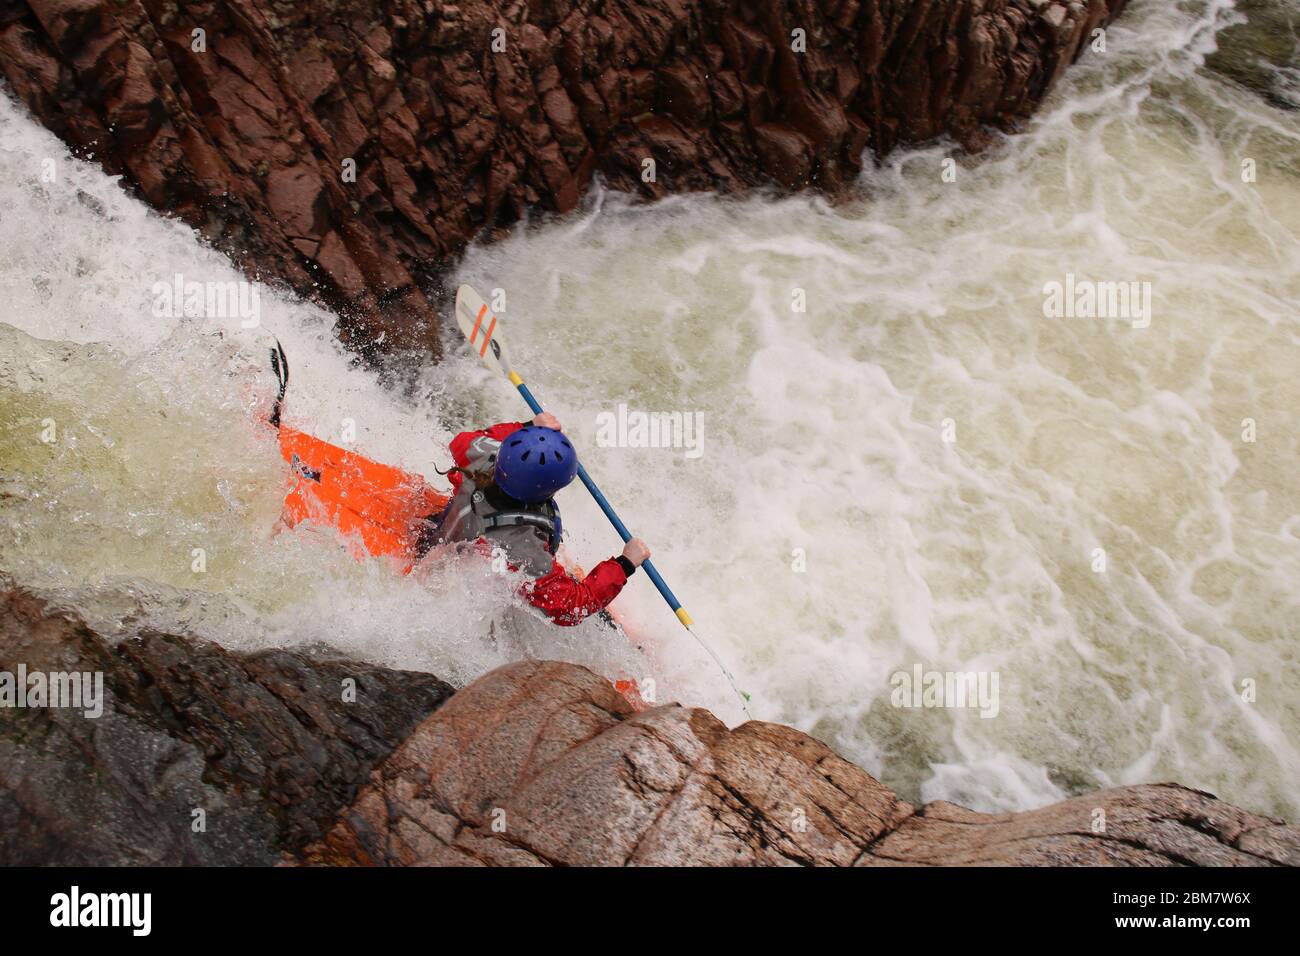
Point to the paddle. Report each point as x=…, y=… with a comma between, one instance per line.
x=482, y=330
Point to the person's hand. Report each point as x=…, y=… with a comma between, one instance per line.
x=636, y=551
x=547, y=420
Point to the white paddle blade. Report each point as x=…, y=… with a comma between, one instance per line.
x=481, y=330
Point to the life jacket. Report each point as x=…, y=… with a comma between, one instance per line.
x=528, y=533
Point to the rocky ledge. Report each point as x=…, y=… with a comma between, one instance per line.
x=536, y=763
x=200, y=756
x=350, y=148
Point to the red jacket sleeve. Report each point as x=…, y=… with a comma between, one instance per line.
x=460, y=446
x=566, y=600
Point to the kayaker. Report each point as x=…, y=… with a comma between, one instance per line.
x=505, y=480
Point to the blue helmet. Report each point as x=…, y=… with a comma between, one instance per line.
x=534, y=463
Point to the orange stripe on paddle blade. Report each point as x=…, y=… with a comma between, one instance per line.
x=478, y=320
x=487, y=336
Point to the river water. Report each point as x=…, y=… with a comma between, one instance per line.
x=897, y=459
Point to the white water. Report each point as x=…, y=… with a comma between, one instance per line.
x=823, y=432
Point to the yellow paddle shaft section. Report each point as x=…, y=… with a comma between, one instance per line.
x=684, y=617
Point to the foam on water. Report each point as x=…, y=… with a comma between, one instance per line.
x=823, y=436
x=157, y=454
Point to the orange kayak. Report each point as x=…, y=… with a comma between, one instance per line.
x=383, y=509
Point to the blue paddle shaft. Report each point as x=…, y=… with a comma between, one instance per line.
x=606, y=507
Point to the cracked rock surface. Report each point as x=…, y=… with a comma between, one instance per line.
x=536, y=763
x=542, y=763
x=265, y=745
x=351, y=148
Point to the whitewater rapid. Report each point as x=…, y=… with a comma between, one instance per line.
x=919, y=468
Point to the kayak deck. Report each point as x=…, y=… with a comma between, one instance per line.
x=382, y=510
x=383, y=507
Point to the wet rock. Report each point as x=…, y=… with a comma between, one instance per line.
x=352, y=149
x=537, y=763
x=544, y=764
x=1149, y=825
x=264, y=745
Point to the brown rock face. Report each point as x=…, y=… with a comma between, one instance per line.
x=265, y=745
x=537, y=763
x=542, y=763
x=350, y=149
